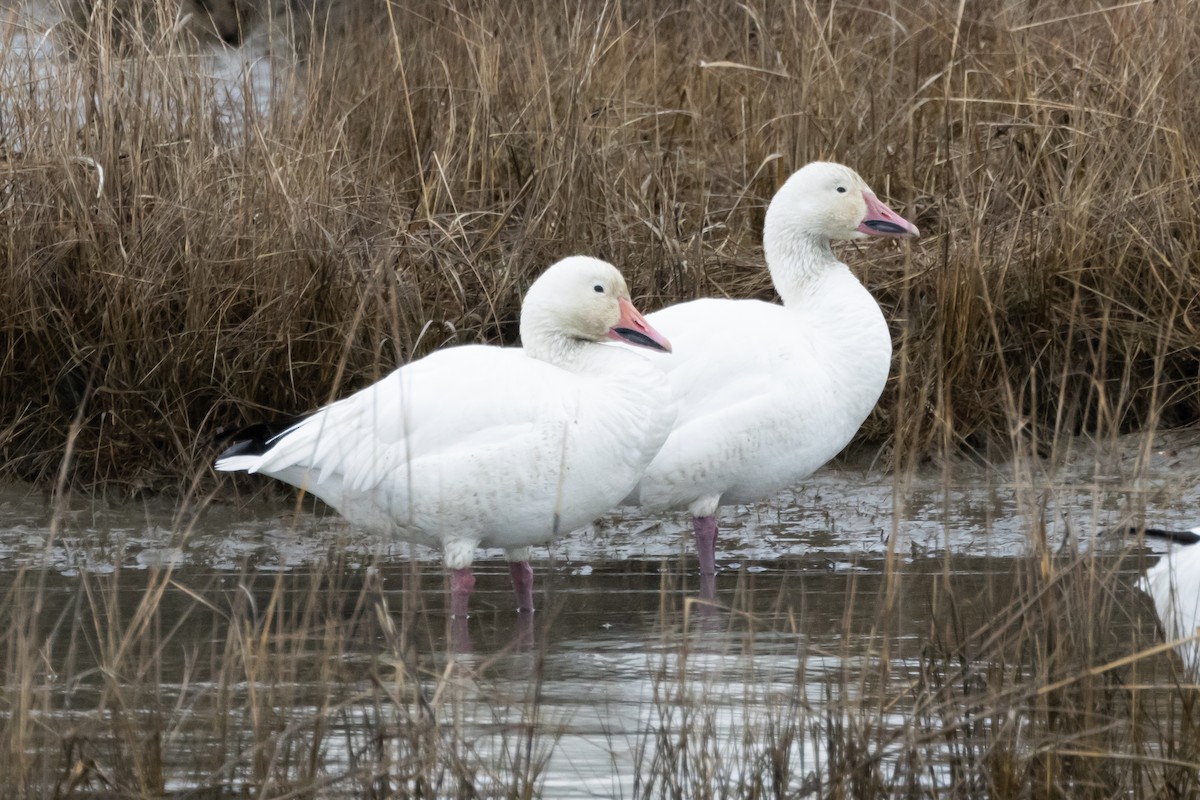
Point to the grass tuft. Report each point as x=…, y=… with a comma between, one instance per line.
x=407, y=170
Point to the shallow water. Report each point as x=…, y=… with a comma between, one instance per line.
x=613, y=652
x=845, y=512
x=609, y=657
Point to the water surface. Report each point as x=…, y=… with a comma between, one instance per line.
x=810, y=622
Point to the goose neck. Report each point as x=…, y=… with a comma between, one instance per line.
x=797, y=263
x=552, y=347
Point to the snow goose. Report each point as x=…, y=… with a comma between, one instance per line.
x=483, y=446
x=768, y=393
x=1174, y=586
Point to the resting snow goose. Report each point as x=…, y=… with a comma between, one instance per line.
x=767, y=393
x=482, y=446
x=1174, y=586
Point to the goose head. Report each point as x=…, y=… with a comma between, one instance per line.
x=825, y=201
x=579, y=300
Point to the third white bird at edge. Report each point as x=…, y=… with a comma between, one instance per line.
x=1174, y=586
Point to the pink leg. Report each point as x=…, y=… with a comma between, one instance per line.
x=523, y=637
x=462, y=581
x=460, y=636
x=522, y=581
x=706, y=543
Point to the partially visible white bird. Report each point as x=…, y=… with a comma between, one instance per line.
x=769, y=393
x=482, y=446
x=1174, y=586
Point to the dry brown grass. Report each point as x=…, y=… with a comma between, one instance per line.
x=424, y=160
x=1036, y=677
x=1031, y=677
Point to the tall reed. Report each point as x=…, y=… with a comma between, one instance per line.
x=413, y=166
x=1035, y=676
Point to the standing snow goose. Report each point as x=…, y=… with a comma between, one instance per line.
x=1174, y=586
x=767, y=393
x=482, y=446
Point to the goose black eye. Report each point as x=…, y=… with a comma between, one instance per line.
x=598, y=288
x=841, y=190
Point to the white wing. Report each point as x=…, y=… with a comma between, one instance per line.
x=1174, y=585
x=754, y=412
x=479, y=443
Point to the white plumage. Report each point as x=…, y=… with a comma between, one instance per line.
x=487, y=446
x=1174, y=586
x=768, y=393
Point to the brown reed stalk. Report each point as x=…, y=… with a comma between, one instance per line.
x=420, y=164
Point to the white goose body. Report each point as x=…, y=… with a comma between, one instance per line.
x=766, y=407
x=459, y=451
x=1174, y=586
x=488, y=446
x=768, y=393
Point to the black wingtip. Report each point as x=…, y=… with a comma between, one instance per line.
x=1178, y=537
x=253, y=440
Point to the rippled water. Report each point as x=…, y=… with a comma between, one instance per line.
x=609, y=657
x=845, y=512
x=615, y=645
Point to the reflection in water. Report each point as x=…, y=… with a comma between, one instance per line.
x=621, y=685
x=612, y=659
x=241, y=647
